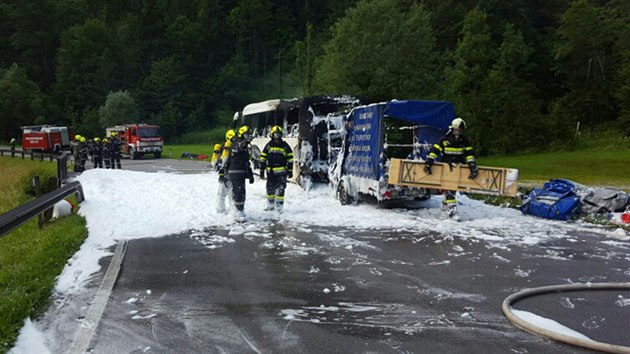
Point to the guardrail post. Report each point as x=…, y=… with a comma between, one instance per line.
x=40, y=221
x=22, y=154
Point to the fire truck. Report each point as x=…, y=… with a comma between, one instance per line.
x=138, y=139
x=45, y=138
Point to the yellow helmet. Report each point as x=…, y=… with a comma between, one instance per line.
x=106, y=140
x=83, y=139
x=77, y=137
x=97, y=139
x=276, y=129
x=113, y=134
x=229, y=134
x=243, y=130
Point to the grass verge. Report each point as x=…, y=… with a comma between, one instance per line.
x=591, y=167
x=30, y=259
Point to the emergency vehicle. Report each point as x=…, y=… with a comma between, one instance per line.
x=45, y=138
x=136, y=140
x=383, y=151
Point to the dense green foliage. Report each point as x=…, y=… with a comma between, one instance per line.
x=30, y=258
x=525, y=75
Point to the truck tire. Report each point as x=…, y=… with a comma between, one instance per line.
x=343, y=195
x=157, y=155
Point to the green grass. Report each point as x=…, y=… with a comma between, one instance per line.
x=176, y=151
x=593, y=167
x=30, y=258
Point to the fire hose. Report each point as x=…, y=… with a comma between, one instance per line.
x=534, y=329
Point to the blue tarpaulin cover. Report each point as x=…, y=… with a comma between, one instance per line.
x=365, y=140
x=438, y=114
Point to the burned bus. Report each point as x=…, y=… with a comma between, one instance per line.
x=312, y=127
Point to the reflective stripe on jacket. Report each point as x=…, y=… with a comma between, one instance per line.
x=277, y=157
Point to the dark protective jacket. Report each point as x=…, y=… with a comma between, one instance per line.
x=115, y=146
x=237, y=164
x=453, y=150
x=277, y=157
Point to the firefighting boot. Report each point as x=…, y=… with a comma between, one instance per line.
x=239, y=216
x=449, y=206
x=270, y=205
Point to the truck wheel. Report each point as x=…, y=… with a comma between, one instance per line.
x=157, y=155
x=342, y=194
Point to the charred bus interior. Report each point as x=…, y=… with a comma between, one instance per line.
x=312, y=127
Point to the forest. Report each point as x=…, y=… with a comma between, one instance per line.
x=526, y=75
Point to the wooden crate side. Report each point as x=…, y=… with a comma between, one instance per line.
x=491, y=180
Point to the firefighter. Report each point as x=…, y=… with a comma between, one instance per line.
x=237, y=169
x=83, y=153
x=225, y=187
x=454, y=148
x=276, y=160
x=12, y=144
x=75, y=152
x=90, y=149
x=115, y=149
x=107, y=153
x=97, y=153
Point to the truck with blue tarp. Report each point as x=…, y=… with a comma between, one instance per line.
x=377, y=133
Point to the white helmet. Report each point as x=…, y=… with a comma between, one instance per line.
x=458, y=123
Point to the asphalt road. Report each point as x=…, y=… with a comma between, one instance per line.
x=276, y=287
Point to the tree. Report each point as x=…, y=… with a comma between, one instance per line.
x=382, y=49
x=473, y=59
x=516, y=120
x=86, y=65
x=21, y=102
x=584, y=61
x=119, y=108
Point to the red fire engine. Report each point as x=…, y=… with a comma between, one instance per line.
x=139, y=139
x=45, y=138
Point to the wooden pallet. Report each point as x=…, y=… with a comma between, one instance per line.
x=491, y=180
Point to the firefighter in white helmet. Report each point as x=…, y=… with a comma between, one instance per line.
x=454, y=148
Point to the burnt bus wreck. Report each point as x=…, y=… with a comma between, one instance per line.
x=312, y=127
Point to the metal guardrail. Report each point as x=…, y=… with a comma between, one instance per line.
x=34, y=154
x=22, y=214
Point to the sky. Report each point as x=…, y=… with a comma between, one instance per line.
x=124, y=205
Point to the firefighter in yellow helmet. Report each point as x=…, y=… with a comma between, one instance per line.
x=97, y=153
x=237, y=168
x=76, y=153
x=83, y=153
x=107, y=153
x=455, y=148
x=276, y=161
x=225, y=187
x=114, y=144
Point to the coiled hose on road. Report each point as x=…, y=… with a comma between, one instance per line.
x=532, y=328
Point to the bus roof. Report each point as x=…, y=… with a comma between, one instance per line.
x=260, y=107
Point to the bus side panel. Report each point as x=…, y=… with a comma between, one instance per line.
x=364, y=143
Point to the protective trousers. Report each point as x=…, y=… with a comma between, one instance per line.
x=225, y=188
x=276, y=184
x=238, y=189
x=116, y=160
